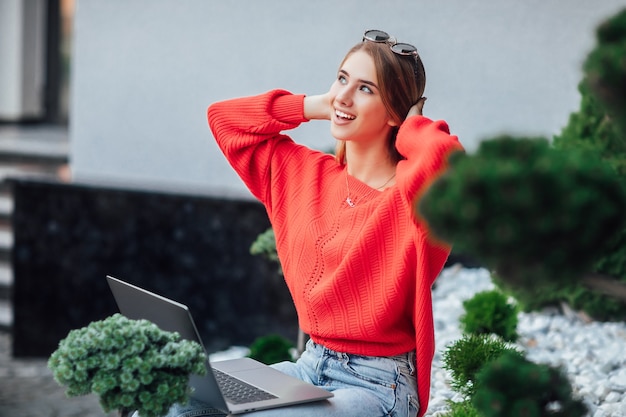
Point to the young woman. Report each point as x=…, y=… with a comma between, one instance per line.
x=356, y=256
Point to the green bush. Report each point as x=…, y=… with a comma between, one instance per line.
x=592, y=131
x=466, y=356
x=512, y=386
x=265, y=245
x=490, y=312
x=271, y=349
x=461, y=409
x=530, y=212
x=606, y=67
x=598, y=128
x=579, y=296
x=130, y=364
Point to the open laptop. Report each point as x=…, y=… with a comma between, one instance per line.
x=276, y=388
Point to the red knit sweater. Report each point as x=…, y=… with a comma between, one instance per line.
x=360, y=277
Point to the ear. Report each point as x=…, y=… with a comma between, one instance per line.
x=391, y=122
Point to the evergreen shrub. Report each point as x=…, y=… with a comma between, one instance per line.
x=129, y=364
x=466, y=356
x=598, y=128
x=605, y=67
x=593, y=130
x=512, y=386
x=271, y=349
x=265, y=246
x=490, y=312
x=461, y=409
x=529, y=212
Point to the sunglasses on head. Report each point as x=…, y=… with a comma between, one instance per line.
x=399, y=48
x=380, y=36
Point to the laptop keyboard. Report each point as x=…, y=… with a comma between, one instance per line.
x=238, y=392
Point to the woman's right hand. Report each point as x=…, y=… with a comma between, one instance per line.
x=417, y=108
x=317, y=107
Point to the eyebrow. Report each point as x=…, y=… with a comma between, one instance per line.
x=361, y=81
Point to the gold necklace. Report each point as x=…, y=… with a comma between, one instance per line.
x=352, y=203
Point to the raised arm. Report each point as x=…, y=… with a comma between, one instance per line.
x=426, y=145
x=248, y=131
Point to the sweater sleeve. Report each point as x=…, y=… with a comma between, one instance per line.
x=248, y=131
x=426, y=145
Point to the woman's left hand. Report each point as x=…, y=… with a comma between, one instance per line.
x=417, y=108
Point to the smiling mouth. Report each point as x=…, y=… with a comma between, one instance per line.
x=344, y=116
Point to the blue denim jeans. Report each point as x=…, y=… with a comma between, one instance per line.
x=362, y=386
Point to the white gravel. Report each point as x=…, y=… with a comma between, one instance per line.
x=591, y=353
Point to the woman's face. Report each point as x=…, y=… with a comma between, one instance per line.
x=357, y=110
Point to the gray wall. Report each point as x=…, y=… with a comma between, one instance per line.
x=145, y=70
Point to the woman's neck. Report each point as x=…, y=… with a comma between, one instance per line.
x=371, y=168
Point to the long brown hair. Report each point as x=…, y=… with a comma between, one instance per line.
x=401, y=80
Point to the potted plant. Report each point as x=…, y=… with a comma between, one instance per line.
x=132, y=365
